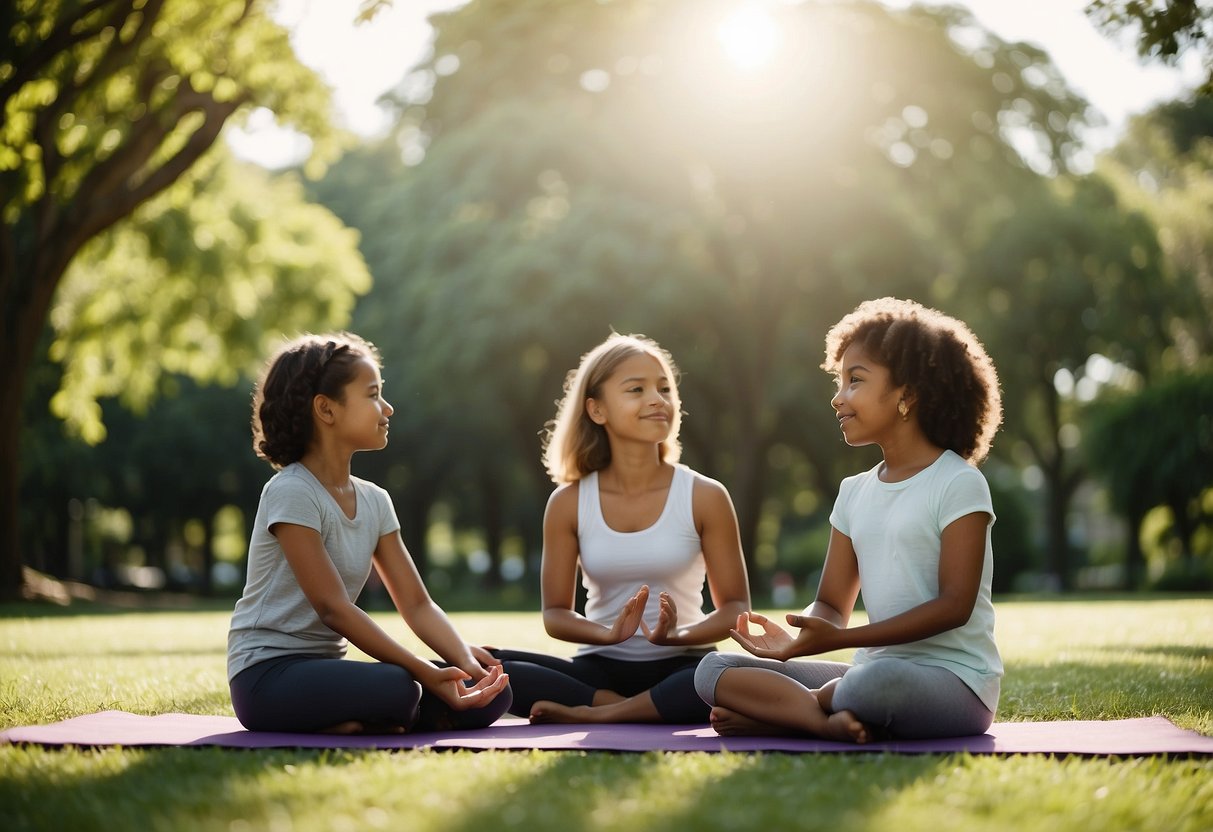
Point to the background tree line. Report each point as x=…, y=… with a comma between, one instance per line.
x=561, y=169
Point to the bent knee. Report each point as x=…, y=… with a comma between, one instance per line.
x=707, y=674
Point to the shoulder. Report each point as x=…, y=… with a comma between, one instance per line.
x=293, y=481
x=563, y=501
x=709, y=497
x=954, y=469
x=293, y=496
x=958, y=479
x=377, y=491
x=379, y=498
x=849, y=484
x=705, y=487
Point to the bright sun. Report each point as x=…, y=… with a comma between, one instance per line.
x=748, y=36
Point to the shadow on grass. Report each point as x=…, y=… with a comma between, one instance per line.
x=452, y=792
x=140, y=789
x=670, y=791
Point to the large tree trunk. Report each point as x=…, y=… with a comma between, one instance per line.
x=11, y=385
x=1060, y=486
x=25, y=300
x=37, y=247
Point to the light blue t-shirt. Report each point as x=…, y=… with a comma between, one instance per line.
x=273, y=617
x=896, y=529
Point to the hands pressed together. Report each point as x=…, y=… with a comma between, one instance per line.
x=631, y=619
x=816, y=635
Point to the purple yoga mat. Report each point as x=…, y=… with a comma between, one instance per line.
x=1129, y=737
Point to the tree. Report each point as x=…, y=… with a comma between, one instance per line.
x=1164, y=31
x=199, y=281
x=1170, y=463
x=1069, y=274
x=1161, y=169
x=106, y=104
x=590, y=165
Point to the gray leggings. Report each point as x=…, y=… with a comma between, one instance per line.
x=908, y=700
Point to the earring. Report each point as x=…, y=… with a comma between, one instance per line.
x=903, y=410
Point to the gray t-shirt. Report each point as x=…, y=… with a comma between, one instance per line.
x=273, y=618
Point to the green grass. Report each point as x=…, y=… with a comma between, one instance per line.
x=1069, y=659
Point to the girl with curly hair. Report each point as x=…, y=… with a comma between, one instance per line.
x=646, y=533
x=912, y=534
x=317, y=533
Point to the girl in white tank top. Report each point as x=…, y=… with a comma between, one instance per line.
x=646, y=534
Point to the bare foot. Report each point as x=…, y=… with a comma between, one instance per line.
x=544, y=712
x=350, y=727
x=733, y=724
x=602, y=696
x=843, y=725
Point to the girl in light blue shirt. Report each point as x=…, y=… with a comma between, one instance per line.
x=912, y=534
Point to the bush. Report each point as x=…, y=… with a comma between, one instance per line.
x=1185, y=576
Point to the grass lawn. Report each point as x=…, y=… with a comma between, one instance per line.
x=1066, y=659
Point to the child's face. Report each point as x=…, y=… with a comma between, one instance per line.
x=636, y=401
x=866, y=401
x=362, y=415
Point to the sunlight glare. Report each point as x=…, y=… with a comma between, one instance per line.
x=749, y=36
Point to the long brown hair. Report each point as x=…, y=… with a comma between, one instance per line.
x=574, y=445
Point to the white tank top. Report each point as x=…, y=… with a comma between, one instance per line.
x=668, y=556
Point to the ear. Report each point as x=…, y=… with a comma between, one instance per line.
x=594, y=411
x=322, y=409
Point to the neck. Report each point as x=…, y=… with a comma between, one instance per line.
x=906, y=455
x=329, y=466
x=633, y=467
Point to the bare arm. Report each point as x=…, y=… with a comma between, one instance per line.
x=423, y=616
x=839, y=585
x=318, y=578
x=322, y=586
x=559, y=580
x=716, y=522
x=961, y=556
x=832, y=608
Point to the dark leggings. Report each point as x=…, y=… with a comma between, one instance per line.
x=305, y=694
x=670, y=682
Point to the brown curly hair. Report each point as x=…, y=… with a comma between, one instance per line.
x=301, y=369
x=939, y=358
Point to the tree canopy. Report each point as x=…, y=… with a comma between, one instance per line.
x=558, y=170
x=1163, y=31
x=106, y=104
x=598, y=166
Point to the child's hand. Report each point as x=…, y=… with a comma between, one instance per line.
x=816, y=635
x=667, y=622
x=484, y=661
x=772, y=643
x=447, y=683
x=630, y=617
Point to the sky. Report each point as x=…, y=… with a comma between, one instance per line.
x=362, y=61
